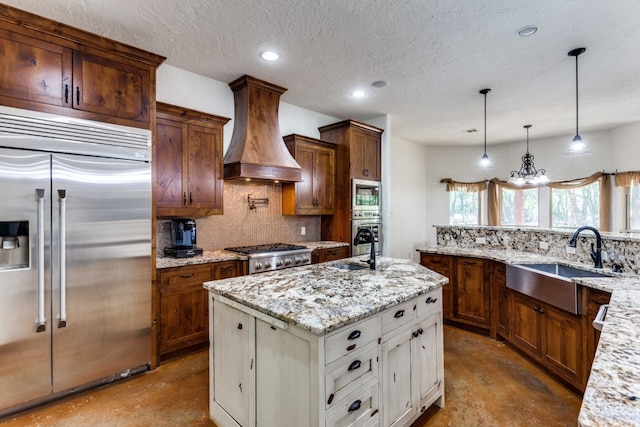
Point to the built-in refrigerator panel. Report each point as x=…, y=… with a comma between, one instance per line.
x=25, y=354
x=102, y=322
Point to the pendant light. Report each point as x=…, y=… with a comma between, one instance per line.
x=528, y=174
x=485, y=163
x=577, y=147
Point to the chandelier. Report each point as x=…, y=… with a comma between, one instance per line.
x=528, y=174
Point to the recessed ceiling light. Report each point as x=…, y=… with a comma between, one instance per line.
x=358, y=94
x=270, y=55
x=527, y=31
x=379, y=83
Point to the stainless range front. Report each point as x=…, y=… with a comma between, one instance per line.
x=277, y=256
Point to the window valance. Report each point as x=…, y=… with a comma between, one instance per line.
x=464, y=186
x=627, y=179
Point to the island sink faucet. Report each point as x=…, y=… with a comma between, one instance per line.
x=596, y=255
x=372, y=239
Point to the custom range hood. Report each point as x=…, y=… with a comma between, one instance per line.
x=257, y=151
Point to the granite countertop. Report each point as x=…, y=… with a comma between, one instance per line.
x=222, y=255
x=612, y=396
x=319, y=298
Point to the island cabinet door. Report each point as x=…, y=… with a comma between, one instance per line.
x=471, y=295
x=232, y=386
x=427, y=363
x=287, y=384
x=396, y=380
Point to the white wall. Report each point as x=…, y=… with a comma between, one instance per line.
x=186, y=89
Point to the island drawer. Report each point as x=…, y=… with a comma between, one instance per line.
x=360, y=409
x=399, y=315
x=350, y=338
x=429, y=303
x=350, y=372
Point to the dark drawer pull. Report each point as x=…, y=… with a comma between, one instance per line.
x=469, y=263
x=399, y=314
x=354, y=365
x=351, y=347
x=431, y=300
x=435, y=261
x=354, y=335
x=330, y=399
x=355, y=406
x=186, y=276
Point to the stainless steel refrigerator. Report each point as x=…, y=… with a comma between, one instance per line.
x=75, y=267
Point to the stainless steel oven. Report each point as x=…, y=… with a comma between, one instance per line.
x=365, y=248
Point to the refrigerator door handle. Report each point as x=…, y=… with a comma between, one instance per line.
x=62, y=201
x=41, y=320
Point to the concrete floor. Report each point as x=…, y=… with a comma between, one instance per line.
x=486, y=384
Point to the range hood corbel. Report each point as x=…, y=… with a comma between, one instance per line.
x=257, y=150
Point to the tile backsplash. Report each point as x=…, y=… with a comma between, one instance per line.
x=240, y=226
x=620, y=248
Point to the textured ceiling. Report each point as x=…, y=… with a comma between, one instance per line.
x=435, y=54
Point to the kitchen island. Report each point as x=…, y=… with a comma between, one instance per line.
x=326, y=344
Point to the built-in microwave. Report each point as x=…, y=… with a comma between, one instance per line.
x=365, y=199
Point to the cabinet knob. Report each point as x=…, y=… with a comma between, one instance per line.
x=365, y=172
x=354, y=365
x=535, y=308
x=355, y=406
x=354, y=335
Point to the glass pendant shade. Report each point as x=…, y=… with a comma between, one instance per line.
x=577, y=147
x=485, y=162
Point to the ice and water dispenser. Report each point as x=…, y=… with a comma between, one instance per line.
x=14, y=245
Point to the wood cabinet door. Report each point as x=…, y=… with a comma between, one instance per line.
x=396, y=380
x=204, y=160
x=323, y=180
x=365, y=150
x=442, y=264
x=226, y=270
x=471, y=292
x=305, y=192
x=170, y=186
x=526, y=330
x=184, y=320
x=499, y=300
x=105, y=86
x=562, y=343
x=34, y=71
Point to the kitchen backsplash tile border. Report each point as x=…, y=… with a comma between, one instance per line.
x=620, y=249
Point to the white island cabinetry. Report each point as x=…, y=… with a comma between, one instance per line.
x=380, y=369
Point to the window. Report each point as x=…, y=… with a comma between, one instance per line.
x=519, y=207
x=576, y=207
x=464, y=207
x=633, y=208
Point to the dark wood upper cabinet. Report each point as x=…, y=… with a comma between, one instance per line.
x=58, y=69
x=188, y=162
x=314, y=195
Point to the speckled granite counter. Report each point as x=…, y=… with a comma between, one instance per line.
x=205, y=258
x=320, y=298
x=222, y=255
x=612, y=396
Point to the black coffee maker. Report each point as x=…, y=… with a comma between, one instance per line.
x=183, y=239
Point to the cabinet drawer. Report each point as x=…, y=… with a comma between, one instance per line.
x=188, y=275
x=349, y=373
x=357, y=411
x=351, y=338
x=398, y=316
x=429, y=303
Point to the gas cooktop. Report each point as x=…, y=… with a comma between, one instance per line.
x=259, y=249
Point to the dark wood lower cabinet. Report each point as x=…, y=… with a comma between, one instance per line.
x=182, y=312
x=551, y=336
x=561, y=342
x=329, y=254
